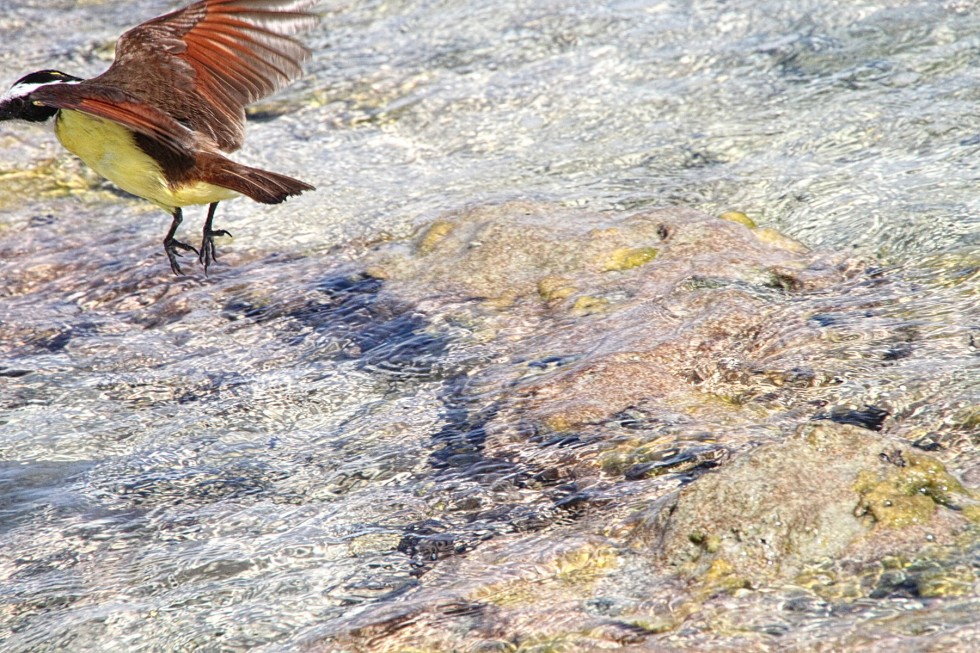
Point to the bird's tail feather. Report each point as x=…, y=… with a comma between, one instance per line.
x=260, y=185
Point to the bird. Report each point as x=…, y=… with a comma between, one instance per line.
x=159, y=122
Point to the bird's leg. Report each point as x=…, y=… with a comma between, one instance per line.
x=208, y=253
x=171, y=244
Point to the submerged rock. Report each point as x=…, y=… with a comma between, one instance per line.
x=543, y=428
x=828, y=492
x=648, y=390
x=654, y=304
x=515, y=249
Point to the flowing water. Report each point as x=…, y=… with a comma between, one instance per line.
x=258, y=459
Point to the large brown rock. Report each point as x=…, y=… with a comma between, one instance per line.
x=830, y=492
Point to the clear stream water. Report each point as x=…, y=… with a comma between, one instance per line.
x=177, y=476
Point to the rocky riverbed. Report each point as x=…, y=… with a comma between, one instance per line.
x=626, y=326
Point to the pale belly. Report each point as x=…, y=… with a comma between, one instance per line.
x=110, y=150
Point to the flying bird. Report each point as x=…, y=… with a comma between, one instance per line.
x=159, y=122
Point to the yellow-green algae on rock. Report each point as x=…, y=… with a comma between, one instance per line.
x=909, y=492
x=627, y=258
x=767, y=235
x=554, y=287
x=739, y=218
x=784, y=507
x=587, y=305
x=434, y=233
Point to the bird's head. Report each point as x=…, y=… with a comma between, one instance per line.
x=17, y=104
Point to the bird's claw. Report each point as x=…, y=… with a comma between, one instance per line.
x=208, y=253
x=172, y=247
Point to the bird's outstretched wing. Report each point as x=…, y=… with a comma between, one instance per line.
x=114, y=105
x=203, y=64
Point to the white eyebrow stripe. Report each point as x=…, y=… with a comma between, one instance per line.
x=21, y=90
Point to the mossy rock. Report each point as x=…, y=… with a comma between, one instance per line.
x=828, y=490
x=908, y=493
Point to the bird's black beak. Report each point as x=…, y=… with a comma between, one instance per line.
x=6, y=112
x=21, y=108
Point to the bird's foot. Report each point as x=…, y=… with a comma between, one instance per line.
x=172, y=246
x=208, y=253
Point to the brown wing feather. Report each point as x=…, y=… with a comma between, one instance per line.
x=116, y=106
x=218, y=56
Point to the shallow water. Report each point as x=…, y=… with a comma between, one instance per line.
x=281, y=452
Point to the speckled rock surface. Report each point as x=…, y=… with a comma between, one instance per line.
x=827, y=492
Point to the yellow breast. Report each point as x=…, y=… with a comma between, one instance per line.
x=110, y=149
